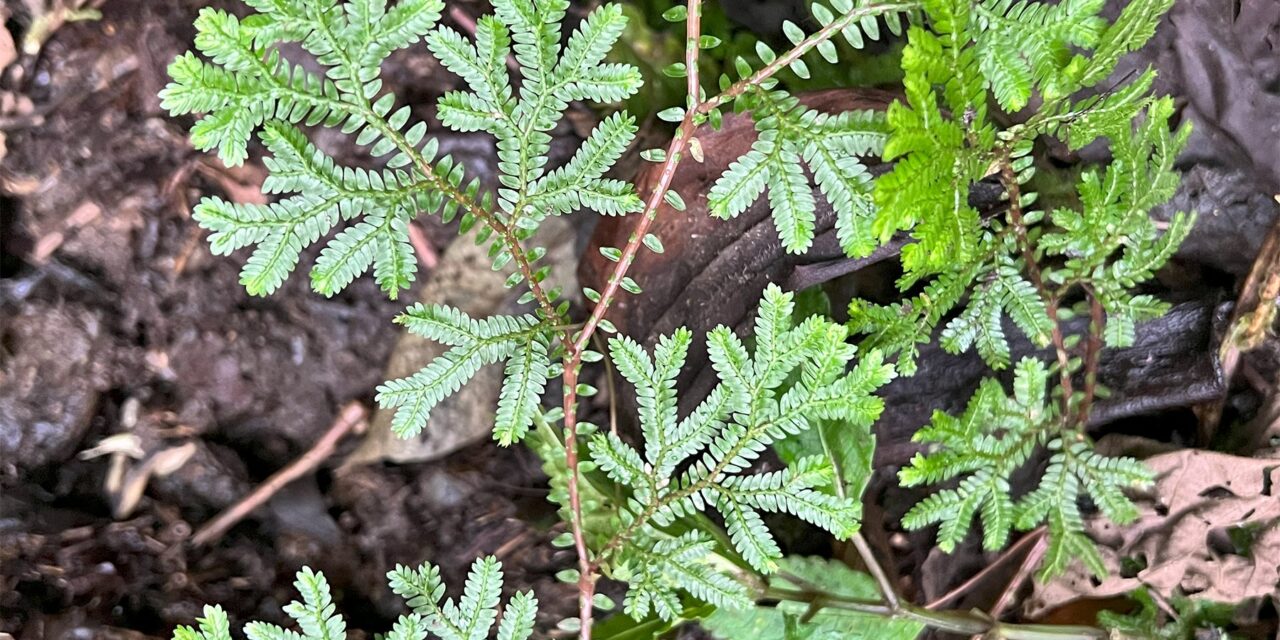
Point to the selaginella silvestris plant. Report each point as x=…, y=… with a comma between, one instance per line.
x=638, y=514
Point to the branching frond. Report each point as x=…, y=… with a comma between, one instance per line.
x=787, y=134
x=244, y=84
x=796, y=377
x=472, y=616
x=994, y=437
x=521, y=340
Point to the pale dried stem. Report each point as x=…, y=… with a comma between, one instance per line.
x=351, y=418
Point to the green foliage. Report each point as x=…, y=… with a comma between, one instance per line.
x=1193, y=617
x=797, y=377
x=995, y=436
x=246, y=84
x=791, y=136
x=469, y=619
x=793, y=620
x=975, y=280
x=473, y=615
x=679, y=514
x=213, y=626
x=519, y=340
x=829, y=146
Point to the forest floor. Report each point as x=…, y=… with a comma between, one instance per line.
x=116, y=319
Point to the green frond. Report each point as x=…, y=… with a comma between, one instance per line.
x=798, y=375
x=518, y=617
x=1133, y=28
x=475, y=344
x=789, y=136
x=994, y=437
x=315, y=614
x=522, y=387
x=213, y=626
x=997, y=435
x=794, y=211
x=655, y=571
x=580, y=182
x=243, y=84
x=473, y=615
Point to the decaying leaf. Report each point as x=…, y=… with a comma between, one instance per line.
x=1209, y=528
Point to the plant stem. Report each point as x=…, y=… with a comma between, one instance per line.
x=963, y=623
x=1037, y=279
x=1092, y=355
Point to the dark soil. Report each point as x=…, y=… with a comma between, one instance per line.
x=114, y=317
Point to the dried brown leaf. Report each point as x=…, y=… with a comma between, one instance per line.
x=1209, y=528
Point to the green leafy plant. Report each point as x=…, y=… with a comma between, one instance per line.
x=1036, y=267
x=677, y=512
x=743, y=415
x=470, y=618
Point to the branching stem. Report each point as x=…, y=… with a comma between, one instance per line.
x=1092, y=355
x=1051, y=300
x=963, y=623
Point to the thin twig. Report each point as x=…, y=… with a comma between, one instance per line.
x=1029, y=564
x=887, y=590
x=958, y=622
x=351, y=418
x=968, y=585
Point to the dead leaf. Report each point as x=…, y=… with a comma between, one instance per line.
x=134, y=483
x=1209, y=528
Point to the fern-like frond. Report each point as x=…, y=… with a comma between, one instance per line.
x=788, y=133
x=244, y=84
x=521, y=340
x=472, y=616
x=995, y=436
x=315, y=614
x=213, y=626
x=797, y=376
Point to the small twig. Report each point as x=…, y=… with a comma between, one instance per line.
x=422, y=246
x=1010, y=553
x=1029, y=564
x=958, y=622
x=351, y=418
x=887, y=591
